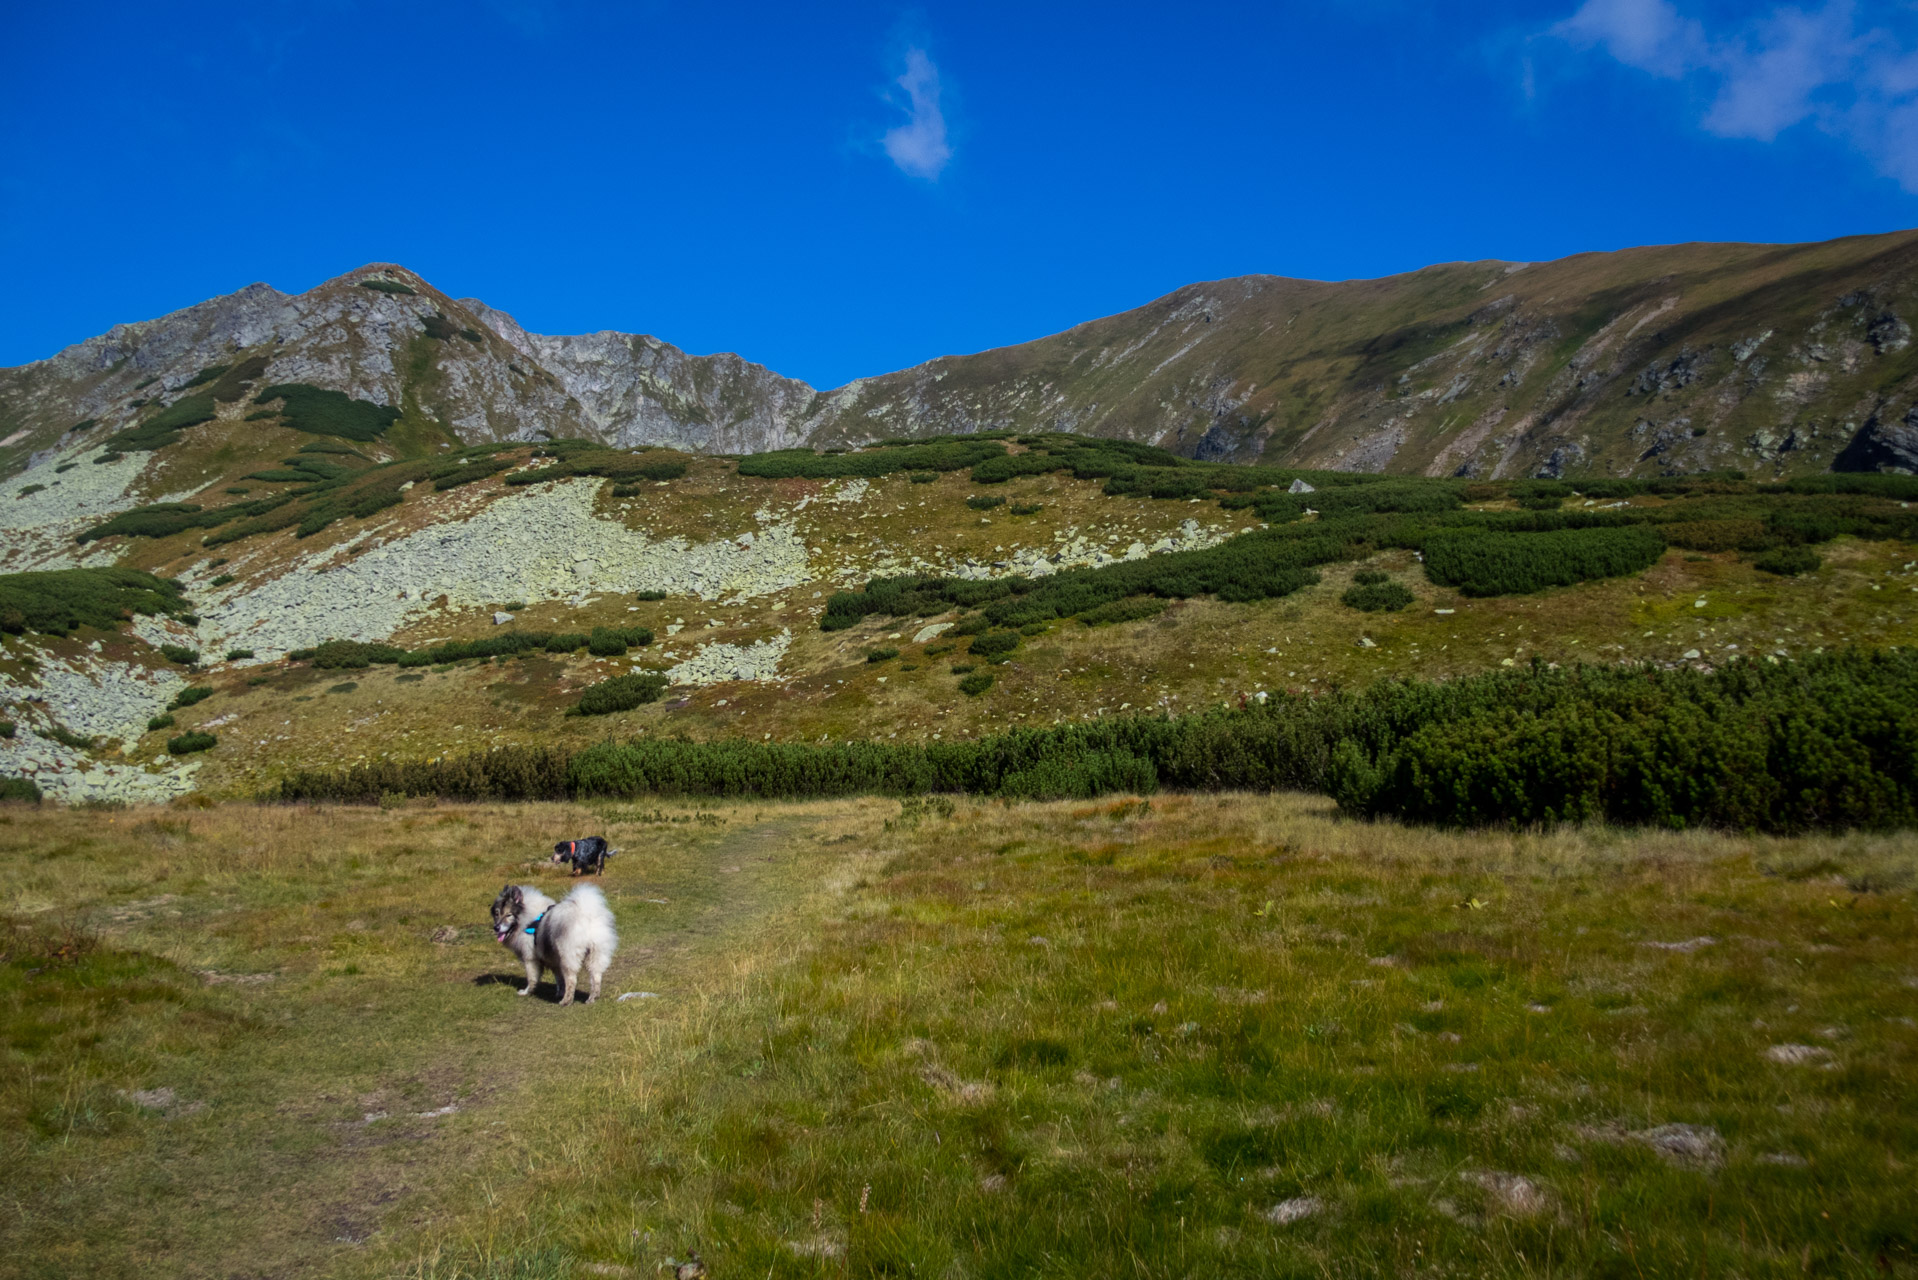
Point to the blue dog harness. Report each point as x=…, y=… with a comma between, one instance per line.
x=536, y=919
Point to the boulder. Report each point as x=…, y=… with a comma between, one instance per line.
x=1882, y=446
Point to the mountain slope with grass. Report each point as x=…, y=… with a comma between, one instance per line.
x=354, y=618
x=1776, y=359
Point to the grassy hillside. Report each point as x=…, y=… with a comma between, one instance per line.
x=1220, y=1035
x=1639, y=362
x=1036, y=581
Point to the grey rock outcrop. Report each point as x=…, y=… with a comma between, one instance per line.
x=1882, y=446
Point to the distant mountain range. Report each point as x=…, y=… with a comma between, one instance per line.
x=1771, y=359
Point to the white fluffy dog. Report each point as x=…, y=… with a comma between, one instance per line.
x=562, y=936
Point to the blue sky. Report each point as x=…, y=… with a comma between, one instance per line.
x=848, y=189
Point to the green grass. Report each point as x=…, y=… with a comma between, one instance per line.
x=941, y=1039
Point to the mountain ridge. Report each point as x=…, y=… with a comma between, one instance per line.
x=1632, y=361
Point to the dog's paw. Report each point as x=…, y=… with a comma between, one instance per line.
x=524, y=991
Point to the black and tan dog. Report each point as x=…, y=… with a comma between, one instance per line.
x=586, y=857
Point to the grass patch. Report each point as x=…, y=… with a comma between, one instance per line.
x=1113, y=1034
x=187, y=744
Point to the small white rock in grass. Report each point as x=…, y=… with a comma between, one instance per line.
x=1797, y=1055
x=1690, y=1146
x=639, y=995
x=152, y=1099
x=1510, y=1192
x=1687, y=946
x=1297, y=1209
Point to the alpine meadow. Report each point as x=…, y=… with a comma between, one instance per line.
x=1388, y=778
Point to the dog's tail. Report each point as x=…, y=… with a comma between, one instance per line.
x=591, y=901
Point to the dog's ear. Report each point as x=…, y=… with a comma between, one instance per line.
x=519, y=897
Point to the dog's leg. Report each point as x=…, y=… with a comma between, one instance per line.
x=569, y=980
x=594, y=972
x=532, y=977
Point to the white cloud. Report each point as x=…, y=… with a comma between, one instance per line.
x=1646, y=34
x=919, y=146
x=1856, y=81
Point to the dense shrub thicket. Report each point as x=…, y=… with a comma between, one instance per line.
x=1830, y=741
x=25, y=789
x=1254, y=566
x=57, y=601
x=948, y=454
x=320, y=412
x=590, y=458
x=1787, y=561
x=326, y=491
x=1379, y=596
x=508, y=773
x=1489, y=563
x=1546, y=542
x=356, y=655
x=621, y=693
x=165, y=427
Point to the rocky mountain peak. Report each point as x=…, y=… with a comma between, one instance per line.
x=1481, y=368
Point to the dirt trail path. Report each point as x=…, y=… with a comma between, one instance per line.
x=369, y=1119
